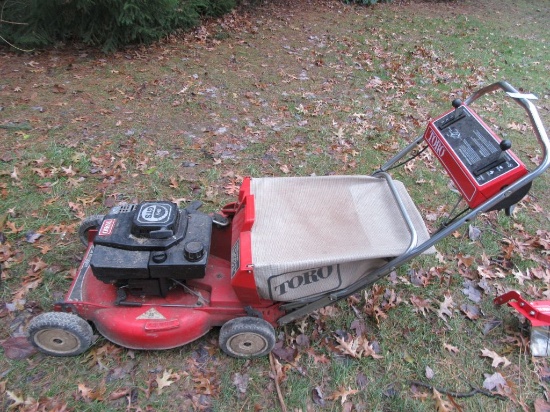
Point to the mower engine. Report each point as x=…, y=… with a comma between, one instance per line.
x=149, y=247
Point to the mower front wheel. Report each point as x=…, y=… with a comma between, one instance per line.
x=60, y=334
x=247, y=337
x=91, y=222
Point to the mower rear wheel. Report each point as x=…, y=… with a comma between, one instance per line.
x=60, y=334
x=91, y=222
x=247, y=337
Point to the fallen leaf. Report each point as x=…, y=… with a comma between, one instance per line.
x=15, y=174
x=408, y=358
x=18, y=400
x=451, y=348
x=18, y=348
x=343, y=394
x=89, y=394
x=167, y=379
x=359, y=326
x=440, y=404
x=497, y=359
x=429, y=373
x=68, y=171
x=351, y=347
x=494, y=381
x=520, y=277
x=471, y=291
x=490, y=325
x=317, y=396
x=285, y=169
x=174, y=183
x=121, y=393
x=32, y=236
x=37, y=264
x=357, y=347
x=445, y=308
x=284, y=352
x=420, y=305
x=474, y=233
x=362, y=380
x=472, y=312
x=302, y=340
x=59, y=89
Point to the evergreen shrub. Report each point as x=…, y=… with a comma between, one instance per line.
x=109, y=24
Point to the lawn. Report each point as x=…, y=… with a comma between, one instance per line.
x=281, y=89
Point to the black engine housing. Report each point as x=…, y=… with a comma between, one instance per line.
x=148, y=247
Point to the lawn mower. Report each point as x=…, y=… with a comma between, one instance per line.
x=155, y=276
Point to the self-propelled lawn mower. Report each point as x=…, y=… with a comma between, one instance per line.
x=156, y=277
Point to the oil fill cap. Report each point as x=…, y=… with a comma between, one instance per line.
x=193, y=251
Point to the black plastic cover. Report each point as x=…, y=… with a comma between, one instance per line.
x=147, y=264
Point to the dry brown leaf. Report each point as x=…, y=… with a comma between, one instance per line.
x=68, y=171
x=368, y=350
x=18, y=400
x=357, y=348
x=89, y=394
x=420, y=305
x=445, y=308
x=451, y=348
x=174, y=183
x=343, y=394
x=497, y=359
x=204, y=386
x=351, y=348
x=429, y=373
x=37, y=265
x=440, y=404
x=167, y=379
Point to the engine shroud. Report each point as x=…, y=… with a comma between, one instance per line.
x=147, y=247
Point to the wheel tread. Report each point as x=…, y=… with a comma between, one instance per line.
x=66, y=321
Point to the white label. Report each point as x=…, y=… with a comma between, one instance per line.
x=154, y=213
x=151, y=314
x=107, y=227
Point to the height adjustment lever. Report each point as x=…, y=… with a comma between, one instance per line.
x=493, y=160
x=454, y=117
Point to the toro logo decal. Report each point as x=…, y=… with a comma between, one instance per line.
x=107, y=227
x=436, y=145
x=154, y=213
x=308, y=282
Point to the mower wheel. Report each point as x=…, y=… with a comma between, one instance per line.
x=247, y=337
x=91, y=222
x=60, y=334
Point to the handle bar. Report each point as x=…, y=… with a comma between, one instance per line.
x=523, y=100
x=520, y=98
x=306, y=306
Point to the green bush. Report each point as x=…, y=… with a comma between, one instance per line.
x=109, y=24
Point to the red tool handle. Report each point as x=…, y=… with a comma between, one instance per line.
x=538, y=312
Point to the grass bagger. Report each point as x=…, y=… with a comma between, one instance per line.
x=155, y=276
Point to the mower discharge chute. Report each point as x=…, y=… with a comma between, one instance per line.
x=157, y=277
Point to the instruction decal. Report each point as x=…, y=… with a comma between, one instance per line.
x=152, y=314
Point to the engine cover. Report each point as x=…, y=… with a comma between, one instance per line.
x=147, y=247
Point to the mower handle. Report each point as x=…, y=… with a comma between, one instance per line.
x=524, y=100
x=306, y=306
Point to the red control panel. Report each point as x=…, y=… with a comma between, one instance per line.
x=477, y=160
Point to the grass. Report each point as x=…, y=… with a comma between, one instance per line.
x=281, y=89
